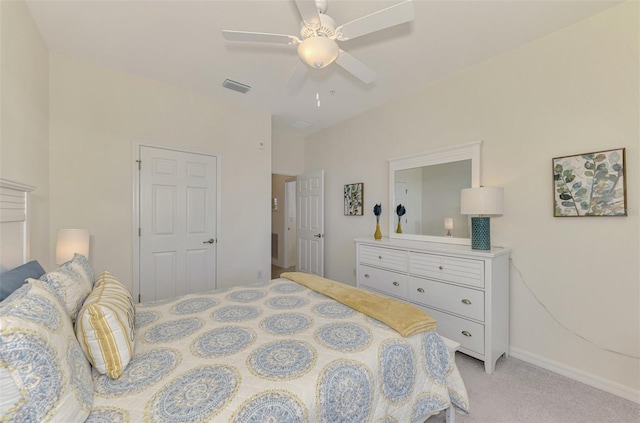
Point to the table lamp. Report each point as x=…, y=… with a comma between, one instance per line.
x=481, y=202
x=448, y=225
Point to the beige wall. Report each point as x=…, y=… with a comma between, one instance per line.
x=571, y=92
x=24, y=116
x=287, y=158
x=96, y=116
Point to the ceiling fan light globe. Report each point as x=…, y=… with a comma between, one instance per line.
x=318, y=52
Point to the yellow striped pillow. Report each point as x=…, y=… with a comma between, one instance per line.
x=105, y=326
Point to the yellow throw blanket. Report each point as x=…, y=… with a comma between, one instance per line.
x=403, y=317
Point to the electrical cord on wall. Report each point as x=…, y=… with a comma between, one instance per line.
x=562, y=325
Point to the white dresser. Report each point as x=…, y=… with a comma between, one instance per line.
x=465, y=290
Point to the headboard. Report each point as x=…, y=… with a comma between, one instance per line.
x=14, y=224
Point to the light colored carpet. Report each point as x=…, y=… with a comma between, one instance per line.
x=519, y=392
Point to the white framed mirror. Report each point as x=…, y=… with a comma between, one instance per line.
x=428, y=186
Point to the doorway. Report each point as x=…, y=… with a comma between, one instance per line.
x=283, y=224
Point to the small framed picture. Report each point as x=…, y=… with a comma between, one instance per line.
x=353, y=199
x=590, y=184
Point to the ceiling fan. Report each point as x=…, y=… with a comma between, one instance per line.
x=319, y=36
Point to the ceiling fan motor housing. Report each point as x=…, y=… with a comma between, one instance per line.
x=327, y=28
x=322, y=6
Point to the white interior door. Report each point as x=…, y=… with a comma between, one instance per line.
x=310, y=218
x=177, y=206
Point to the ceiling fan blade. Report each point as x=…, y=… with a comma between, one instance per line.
x=356, y=67
x=309, y=13
x=259, y=37
x=297, y=75
x=385, y=18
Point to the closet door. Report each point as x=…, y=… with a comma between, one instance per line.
x=177, y=234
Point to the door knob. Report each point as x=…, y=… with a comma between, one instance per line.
x=318, y=236
x=210, y=241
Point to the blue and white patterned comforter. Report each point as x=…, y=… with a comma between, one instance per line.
x=275, y=352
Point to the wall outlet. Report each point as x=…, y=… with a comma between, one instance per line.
x=354, y=272
x=259, y=274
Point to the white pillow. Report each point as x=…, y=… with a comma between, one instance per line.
x=43, y=373
x=72, y=282
x=105, y=326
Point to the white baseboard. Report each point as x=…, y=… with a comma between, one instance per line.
x=576, y=374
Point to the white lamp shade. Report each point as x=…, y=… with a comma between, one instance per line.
x=318, y=52
x=71, y=241
x=448, y=223
x=483, y=200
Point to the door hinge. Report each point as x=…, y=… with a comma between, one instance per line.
x=139, y=164
x=139, y=298
x=139, y=231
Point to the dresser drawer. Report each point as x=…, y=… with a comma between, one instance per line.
x=392, y=283
x=455, y=299
x=469, y=334
x=384, y=257
x=459, y=270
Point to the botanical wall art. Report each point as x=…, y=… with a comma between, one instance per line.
x=591, y=184
x=353, y=199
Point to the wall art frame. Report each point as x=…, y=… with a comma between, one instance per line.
x=590, y=184
x=354, y=199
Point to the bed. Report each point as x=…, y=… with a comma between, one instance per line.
x=277, y=351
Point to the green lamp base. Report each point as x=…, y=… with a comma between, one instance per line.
x=480, y=233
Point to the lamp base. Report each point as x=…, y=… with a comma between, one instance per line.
x=480, y=233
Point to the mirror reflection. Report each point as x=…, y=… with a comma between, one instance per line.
x=427, y=185
x=430, y=197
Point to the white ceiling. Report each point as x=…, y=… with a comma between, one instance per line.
x=179, y=42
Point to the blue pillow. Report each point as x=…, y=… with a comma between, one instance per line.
x=14, y=279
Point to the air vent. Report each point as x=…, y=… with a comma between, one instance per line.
x=235, y=86
x=301, y=124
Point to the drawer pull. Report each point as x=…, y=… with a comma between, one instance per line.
x=366, y=275
x=421, y=290
x=465, y=301
x=465, y=333
x=440, y=267
x=396, y=284
x=379, y=257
